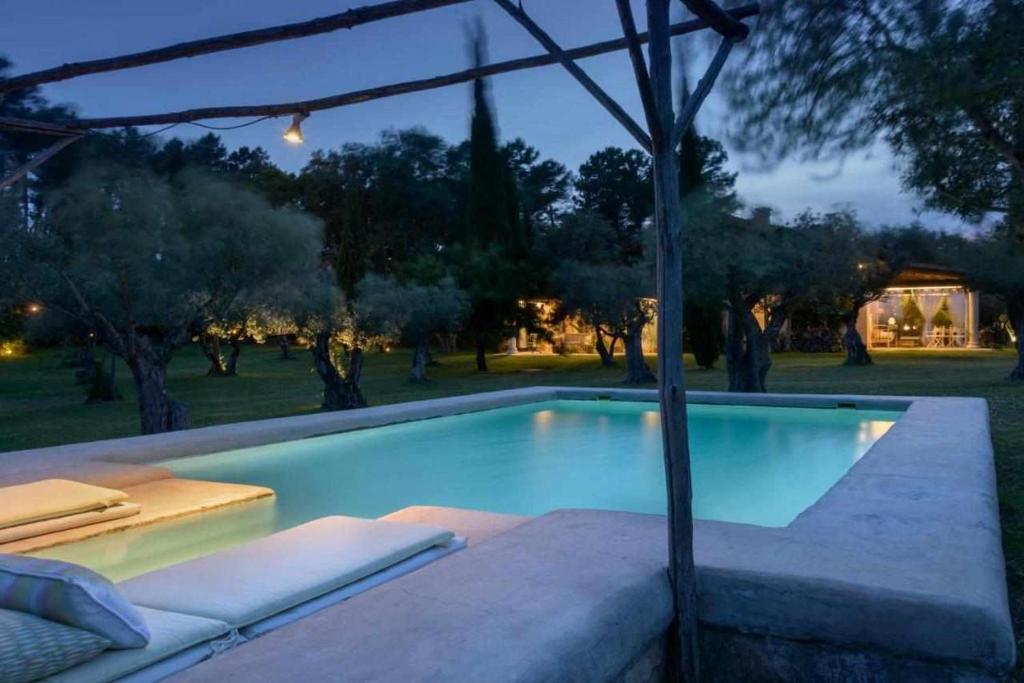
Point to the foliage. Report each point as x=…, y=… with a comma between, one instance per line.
x=612, y=297
x=141, y=262
x=542, y=186
x=939, y=82
x=414, y=312
x=911, y=317
x=942, y=317
x=493, y=208
x=616, y=185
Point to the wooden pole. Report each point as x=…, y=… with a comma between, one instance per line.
x=37, y=161
x=41, y=127
x=697, y=97
x=717, y=18
x=636, y=58
x=671, y=389
x=334, y=22
x=605, y=100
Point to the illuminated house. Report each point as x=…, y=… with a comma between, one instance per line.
x=570, y=334
x=925, y=307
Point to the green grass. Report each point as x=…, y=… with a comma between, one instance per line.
x=41, y=406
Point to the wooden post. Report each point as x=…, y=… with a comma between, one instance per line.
x=671, y=392
x=37, y=161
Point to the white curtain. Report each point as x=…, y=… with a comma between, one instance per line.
x=929, y=304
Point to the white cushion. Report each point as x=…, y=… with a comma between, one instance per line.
x=171, y=633
x=72, y=595
x=245, y=584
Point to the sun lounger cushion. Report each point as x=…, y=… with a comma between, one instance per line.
x=51, y=498
x=72, y=595
x=177, y=639
x=50, y=526
x=32, y=648
x=245, y=584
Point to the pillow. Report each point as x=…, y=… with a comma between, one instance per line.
x=70, y=595
x=32, y=648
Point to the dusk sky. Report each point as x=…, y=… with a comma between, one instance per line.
x=545, y=106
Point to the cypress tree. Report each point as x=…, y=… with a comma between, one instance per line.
x=493, y=205
x=702, y=320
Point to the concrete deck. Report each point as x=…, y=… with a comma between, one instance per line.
x=901, y=559
x=473, y=525
x=161, y=500
x=569, y=596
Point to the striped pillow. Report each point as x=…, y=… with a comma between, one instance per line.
x=72, y=595
x=32, y=648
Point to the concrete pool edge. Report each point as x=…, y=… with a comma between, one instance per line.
x=902, y=556
x=142, y=451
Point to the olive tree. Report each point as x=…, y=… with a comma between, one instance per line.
x=850, y=271
x=411, y=311
x=616, y=301
x=141, y=261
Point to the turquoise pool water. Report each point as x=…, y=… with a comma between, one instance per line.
x=750, y=464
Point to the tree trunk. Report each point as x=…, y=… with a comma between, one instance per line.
x=103, y=385
x=420, y=360
x=704, y=328
x=210, y=345
x=671, y=390
x=856, y=349
x=340, y=393
x=1016, y=311
x=157, y=410
x=355, y=375
x=285, y=346
x=612, y=345
x=447, y=342
x=747, y=351
x=602, y=349
x=231, y=368
x=637, y=370
x=481, y=354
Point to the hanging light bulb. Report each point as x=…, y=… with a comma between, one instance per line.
x=294, y=132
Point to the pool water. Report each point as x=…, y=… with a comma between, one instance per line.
x=754, y=465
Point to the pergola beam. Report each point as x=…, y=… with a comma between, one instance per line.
x=37, y=161
x=603, y=98
x=334, y=22
x=379, y=92
x=718, y=19
x=643, y=79
x=41, y=127
x=693, y=103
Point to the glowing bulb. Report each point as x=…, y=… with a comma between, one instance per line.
x=293, y=134
x=34, y=308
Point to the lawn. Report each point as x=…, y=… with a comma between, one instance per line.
x=41, y=406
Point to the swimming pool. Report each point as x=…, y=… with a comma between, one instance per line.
x=754, y=465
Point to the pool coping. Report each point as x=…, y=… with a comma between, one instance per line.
x=902, y=555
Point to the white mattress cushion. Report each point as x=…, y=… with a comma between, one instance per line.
x=250, y=582
x=171, y=633
x=72, y=595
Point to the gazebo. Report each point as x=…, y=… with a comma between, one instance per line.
x=926, y=306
